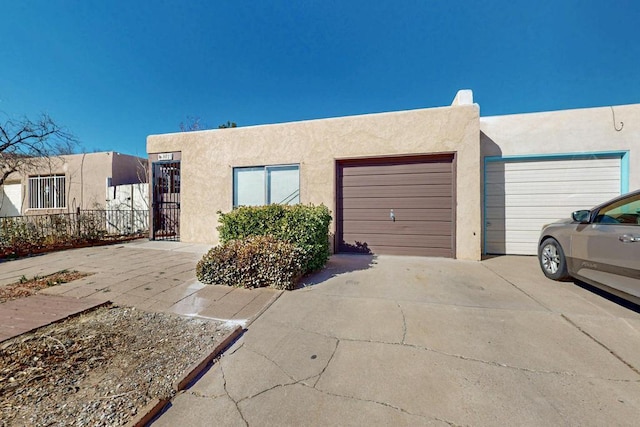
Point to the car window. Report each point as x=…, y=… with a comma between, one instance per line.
x=624, y=212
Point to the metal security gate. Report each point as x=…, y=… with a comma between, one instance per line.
x=166, y=201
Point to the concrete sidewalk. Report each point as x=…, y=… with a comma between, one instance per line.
x=149, y=275
x=421, y=341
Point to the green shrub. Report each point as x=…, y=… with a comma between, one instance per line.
x=252, y=262
x=306, y=226
x=18, y=236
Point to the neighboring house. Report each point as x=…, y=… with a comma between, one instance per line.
x=66, y=183
x=430, y=182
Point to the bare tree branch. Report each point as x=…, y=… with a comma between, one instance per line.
x=26, y=143
x=196, y=123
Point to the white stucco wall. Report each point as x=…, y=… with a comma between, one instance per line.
x=564, y=132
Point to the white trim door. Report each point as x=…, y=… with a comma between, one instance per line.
x=522, y=196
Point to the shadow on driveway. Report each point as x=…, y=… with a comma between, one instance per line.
x=337, y=265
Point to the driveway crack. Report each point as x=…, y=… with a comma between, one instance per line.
x=224, y=383
x=387, y=405
x=404, y=324
x=335, y=349
x=284, y=371
x=266, y=390
x=600, y=343
x=517, y=287
x=516, y=368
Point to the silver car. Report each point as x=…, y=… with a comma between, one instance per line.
x=600, y=246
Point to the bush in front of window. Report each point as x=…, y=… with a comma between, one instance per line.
x=252, y=262
x=305, y=226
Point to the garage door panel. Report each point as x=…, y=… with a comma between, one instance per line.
x=404, y=179
x=568, y=175
x=403, y=251
x=421, y=251
x=514, y=248
x=522, y=200
x=515, y=236
x=594, y=186
x=438, y=214
x=421, y=228
x=592, y=163
x=522, y=196
x=523, y=224
x=397, y=203
x=396, y=169
x=399, y=240
x=550, y=215
x=420, y=192
x=398, y=191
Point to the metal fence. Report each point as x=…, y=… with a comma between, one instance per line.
x=84, y=224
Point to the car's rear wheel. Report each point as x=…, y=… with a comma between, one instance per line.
x=552, y=260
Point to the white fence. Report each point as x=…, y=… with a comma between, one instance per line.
x=127, y=208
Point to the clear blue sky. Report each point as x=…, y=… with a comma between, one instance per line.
x=114, y=72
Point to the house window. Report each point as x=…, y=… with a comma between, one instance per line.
x=47, y=192
x=265, y=185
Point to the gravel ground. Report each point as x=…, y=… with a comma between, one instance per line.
x=99, y=368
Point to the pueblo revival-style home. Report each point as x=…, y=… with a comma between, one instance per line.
x=429, y=182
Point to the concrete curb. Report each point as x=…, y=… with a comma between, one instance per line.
x=265, y=308
x=194, y=370
x=156, y=406
x=148, y=413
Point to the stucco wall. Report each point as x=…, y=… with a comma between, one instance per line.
x=567, y=131
x=87, y=179
x=208, y=158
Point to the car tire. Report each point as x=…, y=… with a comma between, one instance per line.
x=552, y=260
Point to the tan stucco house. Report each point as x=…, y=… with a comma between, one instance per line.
x=427, y=182
x=65, y=183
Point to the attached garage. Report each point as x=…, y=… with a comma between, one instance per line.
x=522, y=194
x=397, y=205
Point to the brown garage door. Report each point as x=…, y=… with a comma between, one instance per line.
x=399, y=206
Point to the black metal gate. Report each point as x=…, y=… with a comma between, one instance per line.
x=166, y=201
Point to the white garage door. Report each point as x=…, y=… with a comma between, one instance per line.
x=10, y=200
x=522, y=196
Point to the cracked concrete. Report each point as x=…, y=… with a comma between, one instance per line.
x=424, y=341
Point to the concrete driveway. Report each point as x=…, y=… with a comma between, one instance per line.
x=422, y=341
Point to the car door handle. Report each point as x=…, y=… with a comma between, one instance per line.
x=629, y=238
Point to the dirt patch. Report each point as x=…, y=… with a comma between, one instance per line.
x=99, y=368
x=25, y=287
